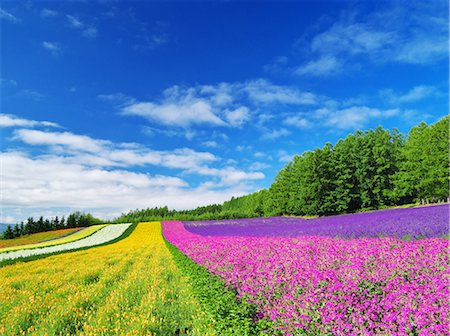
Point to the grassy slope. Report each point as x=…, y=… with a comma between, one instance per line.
x=67, y=239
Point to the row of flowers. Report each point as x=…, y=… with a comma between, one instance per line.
x=95, y=236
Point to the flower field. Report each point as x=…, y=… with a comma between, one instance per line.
x=36, y=237
x=234, y=279
x=70, y=235
x=410, y=223
x=315, y=284
x=132, y=287
x=100, y=236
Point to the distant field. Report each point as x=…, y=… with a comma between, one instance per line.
x=37, y=237
x=58, y=241
x=405, y=223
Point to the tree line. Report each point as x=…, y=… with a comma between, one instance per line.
x=76, y=219
x=365, y=171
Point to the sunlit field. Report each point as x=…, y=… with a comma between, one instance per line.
x=130, y=287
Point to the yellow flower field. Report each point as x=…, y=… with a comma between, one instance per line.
x=131, y=287
x=68, y=239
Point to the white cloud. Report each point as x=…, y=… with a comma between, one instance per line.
x=97, y=154
x=52, y=182
x=414, y=33
x=8, y=120
x=421, y=51
x=261, y=155
x=54, y=47
x=74, y=22
x=238, y=117
x=81, y=173
x=49, y=13
x=8, y=82
x=4, y=15
x=415, y=94
x=210, y=144
x=274, y=134
x=89, y=31
x=352, y=38
x=297, y=121
x=258, y=166
x=223, y=104
x=262, y=91
x=107, y=154
x=322, y=67
x=182, y=114
x=66, y=139
x=355, y=117
x=229, y=175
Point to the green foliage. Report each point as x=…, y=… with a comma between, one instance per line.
x=424, y=167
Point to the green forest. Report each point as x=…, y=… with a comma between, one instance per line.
x=76, y=219
x=365, y=171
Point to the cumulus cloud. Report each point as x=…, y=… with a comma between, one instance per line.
x=182, y=114
x=8, y=120
x=51, y=183
x=223, y=104
x=75, y=171
x=238, y=117
x=107, y=154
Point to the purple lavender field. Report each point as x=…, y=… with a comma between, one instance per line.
x=410, y=223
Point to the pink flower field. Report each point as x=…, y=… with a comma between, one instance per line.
x=309, y=285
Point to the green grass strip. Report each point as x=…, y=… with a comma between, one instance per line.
x=228, y=315
x=67, y=239
x=40, y=256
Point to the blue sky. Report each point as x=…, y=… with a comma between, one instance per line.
x=110, y=106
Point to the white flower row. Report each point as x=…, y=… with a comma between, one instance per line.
x=103, y=235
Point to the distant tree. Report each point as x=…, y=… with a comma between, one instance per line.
x=8, y=234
